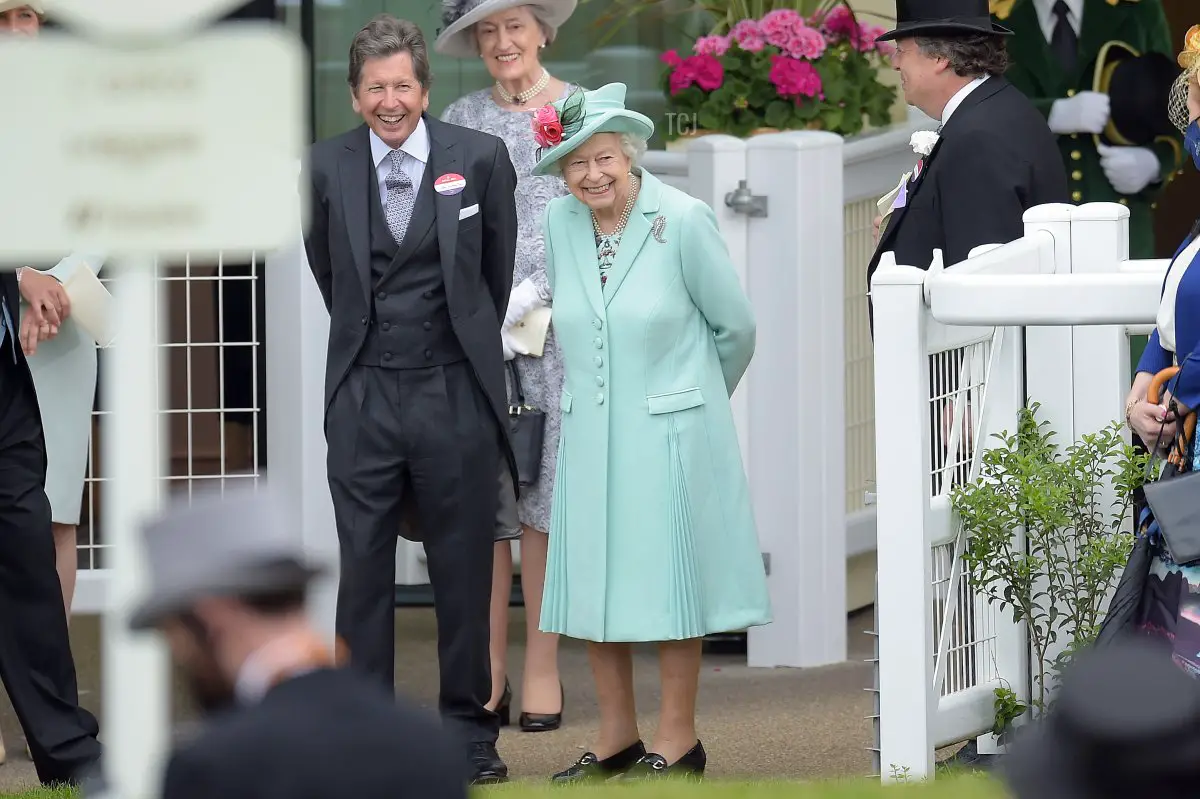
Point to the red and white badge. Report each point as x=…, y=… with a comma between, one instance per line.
x=450, y=183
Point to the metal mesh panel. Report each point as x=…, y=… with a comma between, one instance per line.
x=214, y=397
x=860, y=365
x=957, y=380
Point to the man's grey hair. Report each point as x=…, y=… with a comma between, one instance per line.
x=972, y=56
x=386, y=36
x=539, y=14
x=634, y=147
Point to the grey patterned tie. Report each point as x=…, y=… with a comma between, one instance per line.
x=400, y=197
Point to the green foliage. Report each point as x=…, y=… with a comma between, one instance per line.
x=1075, y=544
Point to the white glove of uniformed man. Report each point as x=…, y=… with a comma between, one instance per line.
x=1086, y=112
x=1129, y=169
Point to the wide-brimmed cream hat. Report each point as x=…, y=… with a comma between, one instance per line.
x=457, y=39
x=37, y=6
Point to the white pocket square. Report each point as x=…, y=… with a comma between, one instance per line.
x=469, y=211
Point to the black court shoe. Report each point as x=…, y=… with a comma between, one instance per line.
x=590, y=768
x=544, y=722
x=652, y=765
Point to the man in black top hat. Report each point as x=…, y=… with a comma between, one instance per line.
x=994, y=156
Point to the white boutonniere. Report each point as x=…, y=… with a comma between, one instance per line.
x=923, y=142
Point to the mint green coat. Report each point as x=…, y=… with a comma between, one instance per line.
x=652, y=535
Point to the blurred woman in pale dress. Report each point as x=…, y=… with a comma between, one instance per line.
x=63, y=364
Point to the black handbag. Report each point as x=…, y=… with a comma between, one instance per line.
x=527, y=427
x=1174, y=498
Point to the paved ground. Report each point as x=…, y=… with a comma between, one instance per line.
x=755, y=723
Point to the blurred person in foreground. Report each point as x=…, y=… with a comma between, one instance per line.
x=1125, y=724
x=509, y=36
x=228, y=586
x=35, y=650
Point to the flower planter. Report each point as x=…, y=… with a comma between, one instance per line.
x=681, y=144
x=783, y=71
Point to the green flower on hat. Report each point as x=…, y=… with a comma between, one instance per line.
x=562, y=126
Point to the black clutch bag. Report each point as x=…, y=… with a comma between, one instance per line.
x=527, y=426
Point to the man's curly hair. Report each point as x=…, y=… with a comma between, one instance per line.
x=972, y=56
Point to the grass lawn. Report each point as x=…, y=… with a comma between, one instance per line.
x=944, y=787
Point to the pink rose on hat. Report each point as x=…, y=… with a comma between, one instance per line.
x=547, y=129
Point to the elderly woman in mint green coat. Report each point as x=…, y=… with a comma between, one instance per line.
x=652, y=534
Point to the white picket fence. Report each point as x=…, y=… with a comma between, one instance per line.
x=958, y=350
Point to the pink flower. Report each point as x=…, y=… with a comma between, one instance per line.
x=840, y=22
x=704, y=71
x=779, y=26
x=794, y=78
x=712, y=45
x=806, y=43
x=547, y=129
x=743, y=29
x=671, y=57
x=868, y=36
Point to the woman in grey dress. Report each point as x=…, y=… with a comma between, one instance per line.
x=508, y=36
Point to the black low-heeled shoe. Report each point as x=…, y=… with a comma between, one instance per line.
x=652, y=765
x=590, y=768
x=504, y=707
x=544, y=722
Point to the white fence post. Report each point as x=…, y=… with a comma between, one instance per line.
x=904, y=607
x=795, y=391
x=715, y=165
x=297, y=332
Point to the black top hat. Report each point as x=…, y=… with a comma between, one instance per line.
x=1138, y=86
x=943, y=18
x=1126, y=723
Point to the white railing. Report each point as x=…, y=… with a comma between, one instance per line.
x=958, y=351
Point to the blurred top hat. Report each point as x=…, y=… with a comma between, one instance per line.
x=1126, y=724
x=37, y=6
x=1138, y=86
x=943, y=18
x=235, y=543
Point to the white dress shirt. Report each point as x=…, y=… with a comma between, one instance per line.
x=1048, y=20
x=958, y=98
x=416, y=146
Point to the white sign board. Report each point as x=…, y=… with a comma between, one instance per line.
x=126, y=18
x=188, y=145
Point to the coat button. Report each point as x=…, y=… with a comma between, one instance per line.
x=1077, y=196
x=429, y=355
x=1076, y=175
x=386, y=326
x=599, y=399
x=1076, y=155
x=428, y=325
x=429, y=295
x=599, y=380
x=387, y=356
x=381, y=296
x=599, y=342
x=364, y=320
x=598, y=361
x=596, y=323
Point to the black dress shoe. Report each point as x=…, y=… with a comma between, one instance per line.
x=590, y=768
x=544, y=722
x=486, y=766
x=652, y=765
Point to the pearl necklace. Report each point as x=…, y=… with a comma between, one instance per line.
x=523, y=97
x=624, y=214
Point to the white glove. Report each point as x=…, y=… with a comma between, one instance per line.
x=1086, y=112
x=523, y=299
x=1129, y=169
x=512, y=348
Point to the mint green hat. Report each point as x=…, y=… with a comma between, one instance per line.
x=582, y=114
